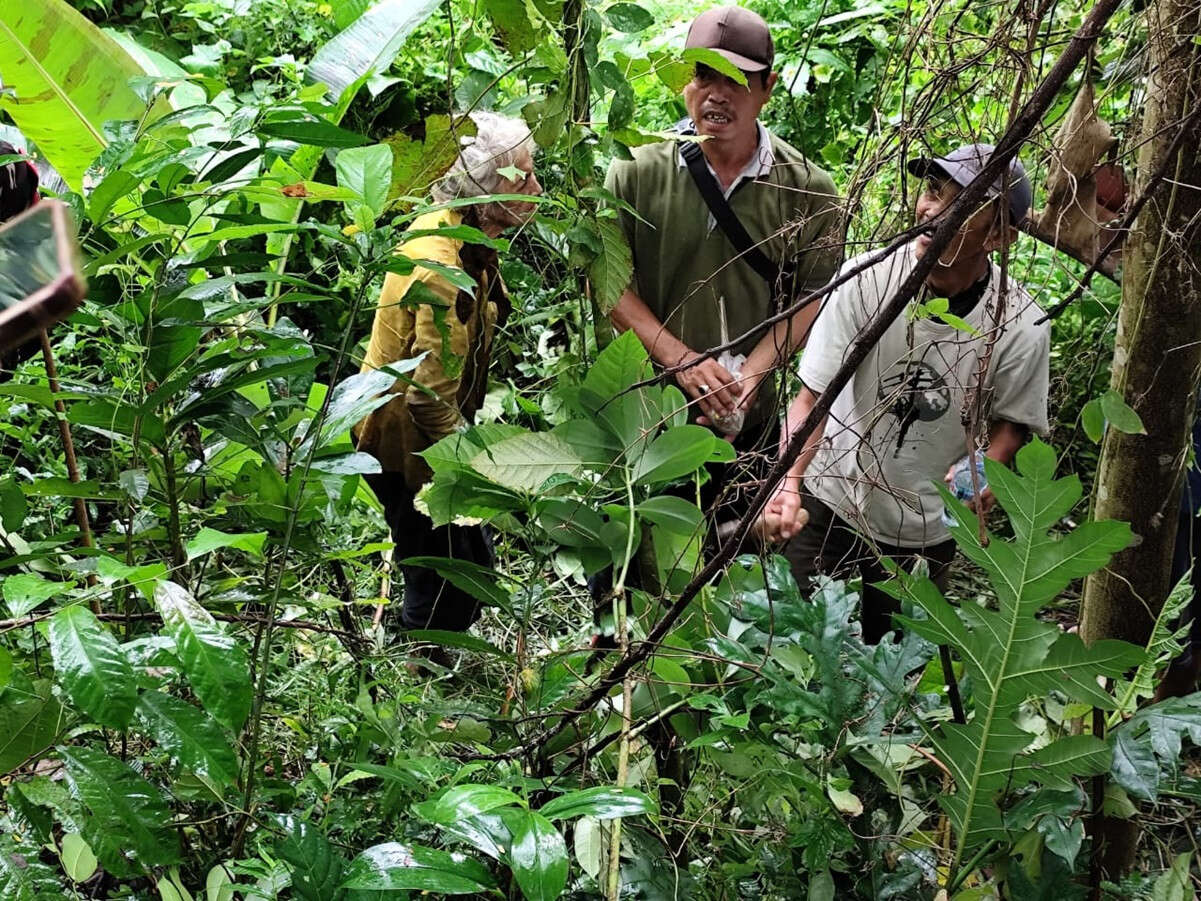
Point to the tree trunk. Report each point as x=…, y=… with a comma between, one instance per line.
x=1157, y=352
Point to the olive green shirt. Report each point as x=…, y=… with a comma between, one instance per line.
x=683, y=263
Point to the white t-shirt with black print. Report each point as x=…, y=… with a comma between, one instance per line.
x=896, y=427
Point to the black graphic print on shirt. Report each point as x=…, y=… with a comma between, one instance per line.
x=914, y=393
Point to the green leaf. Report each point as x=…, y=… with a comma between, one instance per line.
x=311, y=130
x=524, y=462
x=613, y=267
x=602, y=802
x=396, y=867
x=216, y=667
x=367, y=171
x=515, y=21
x=1119, y=415
x=64, y=78
x=208, y=540
x=1008, y=653
x=30, y=719
x=463, y=640
x=125, y=809
x=177, y=327
x=218, y=886
x=1150, y=742
x=317, y=869
x=13, y=505
x=90, y=666
x=352, y=399
x=346, y=11
x=538, y=856
x=461, y=801
x=1175, y=884
x=1093, y=420
x=676, y=453
x=189, y=735
x=369, y=44
x=571, y=523
x=620, y=365
x=1134, y=767
x=704, y=56
x=629, y=17
x=25, y=591
x=79, y=863
x=480, y=582
x=673, y=514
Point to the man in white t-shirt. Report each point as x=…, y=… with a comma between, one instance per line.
x=897, y=427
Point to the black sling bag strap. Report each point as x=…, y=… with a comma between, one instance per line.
x=728, y=221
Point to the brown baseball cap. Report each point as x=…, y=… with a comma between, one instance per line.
x=738, y=34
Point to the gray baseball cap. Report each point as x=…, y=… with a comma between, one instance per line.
x=964, y=163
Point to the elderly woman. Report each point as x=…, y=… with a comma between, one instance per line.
x=445, y=392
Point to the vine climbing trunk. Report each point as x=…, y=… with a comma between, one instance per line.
x=1157, y=355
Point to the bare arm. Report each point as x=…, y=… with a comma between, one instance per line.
x=784, y=517
x=1005, y=439
x=773, y=350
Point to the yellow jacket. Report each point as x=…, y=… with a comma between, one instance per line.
x=456, y=375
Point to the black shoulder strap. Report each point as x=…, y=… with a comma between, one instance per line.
x=726, y=218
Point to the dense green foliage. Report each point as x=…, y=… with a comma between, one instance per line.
x=208, y=703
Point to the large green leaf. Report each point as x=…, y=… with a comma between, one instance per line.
x=189, y=735
x=125, y=809
x=1008, y=654
x=395, y=867
x=604, y=802
x=480, y=582
x=317, y=869
x=613, y=267
x=369, y=44
x=1149, y=743
x=67, y=79
x=524, y=462
x=216, y=667
x=30, y=719
x=462, y=801
x=679, y=452
x=91, y=668
x=538, y=856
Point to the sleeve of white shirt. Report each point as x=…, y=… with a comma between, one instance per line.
x=1022, y=382
x=835, y=328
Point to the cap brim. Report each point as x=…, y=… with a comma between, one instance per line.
x=923, y=167
x=745, y=63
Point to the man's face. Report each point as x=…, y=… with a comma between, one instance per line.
x=721, y=108
x=976, y=236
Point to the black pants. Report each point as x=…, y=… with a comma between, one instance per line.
x=830, y=545
x=430, y=602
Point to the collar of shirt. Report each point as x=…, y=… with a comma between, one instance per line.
x=757, y=166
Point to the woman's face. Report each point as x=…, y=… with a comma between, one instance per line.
x=517, y=212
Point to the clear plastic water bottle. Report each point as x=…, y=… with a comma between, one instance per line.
x=961, y=485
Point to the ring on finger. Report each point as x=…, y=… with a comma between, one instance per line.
x=704, y=389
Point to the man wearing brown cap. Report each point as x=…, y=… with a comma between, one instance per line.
x=693, y=284
x=864, y=488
